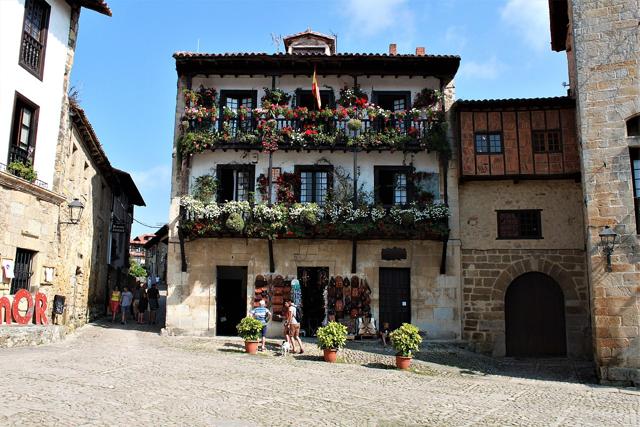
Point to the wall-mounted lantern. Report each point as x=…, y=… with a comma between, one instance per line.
x=75, y=211
x=608, y=243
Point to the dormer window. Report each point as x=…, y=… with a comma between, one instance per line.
x=310, y=43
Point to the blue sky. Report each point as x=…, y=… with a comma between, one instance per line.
x=127, y=81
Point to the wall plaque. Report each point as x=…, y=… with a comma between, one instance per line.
x=392, y=254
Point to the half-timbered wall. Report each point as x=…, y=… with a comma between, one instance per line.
x=517, y=156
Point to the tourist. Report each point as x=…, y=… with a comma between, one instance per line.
x=143, y=303
x=114, y=303
x=262, y=314
x=154, y=303
x=285, y=323
x=294, y=328
x=125, y=304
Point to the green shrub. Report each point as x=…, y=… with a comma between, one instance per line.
x=235, y=223
x=309, y=217
x=23, y=170
x=332, y=336
x=205, y=188
x=249, y=329
x=406, y=340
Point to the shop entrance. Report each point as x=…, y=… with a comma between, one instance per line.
x=312, y=282
x=231, y=299
x=534, y=317
x=395, y=296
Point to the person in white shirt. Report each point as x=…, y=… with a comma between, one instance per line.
x=294, y=328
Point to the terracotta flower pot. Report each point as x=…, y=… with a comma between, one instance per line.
x=330, y=355
x=251, y=347
x=403, y=362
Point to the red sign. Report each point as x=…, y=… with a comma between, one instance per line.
x=12, y=311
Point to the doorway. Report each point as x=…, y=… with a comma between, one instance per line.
x=534, y=317
x=231, y=299
x=395, y=296
x=313, y=280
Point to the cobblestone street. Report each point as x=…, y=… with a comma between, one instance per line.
x=110, y=374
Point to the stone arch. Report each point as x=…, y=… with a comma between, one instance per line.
x=633, y=125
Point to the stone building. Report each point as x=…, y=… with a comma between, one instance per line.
x=347, y=188
x=156, y=254
x=38, y=42
x=602, y=43
x=523, y=261
x=65, y=206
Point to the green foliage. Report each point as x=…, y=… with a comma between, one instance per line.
x=205, y=188
x=235, y=223
x=406, y=340
x=23, y=170
x=136, y=270
x=332, y=336
x=354, y=124
x=437, y=139
x=275, y=97
x=249, y=329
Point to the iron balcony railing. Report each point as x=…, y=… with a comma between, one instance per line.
x=39, y=183
x=31, y=53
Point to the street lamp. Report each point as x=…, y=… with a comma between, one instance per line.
x=608, y=243
x=75, y=211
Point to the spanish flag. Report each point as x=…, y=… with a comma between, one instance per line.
x=315, y=90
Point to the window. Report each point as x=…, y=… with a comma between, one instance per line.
x=392, y=186
x=635, y=169
x=304, y=98
x=315, y=183
x=394, y=101
x=546, y=141
x=34, y=36
x=519, y=224
x=234, y=99
x=235, y=182
x=23, y=135
x=633, y=126
x=488, y=143
x=22, y=270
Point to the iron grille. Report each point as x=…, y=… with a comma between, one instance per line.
x=22, y=270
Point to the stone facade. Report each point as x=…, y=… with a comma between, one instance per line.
x=191, y=303
x=604, y=40
x=490, y=265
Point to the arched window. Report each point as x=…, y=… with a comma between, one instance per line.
x=633, y=126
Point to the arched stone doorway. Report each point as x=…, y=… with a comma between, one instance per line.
x=535, y=317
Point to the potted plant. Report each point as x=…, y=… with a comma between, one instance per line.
x=250, y=330
x=406, y=341
x=23, y=170
x=331, y=338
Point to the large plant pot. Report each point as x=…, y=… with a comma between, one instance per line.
x=403, y=362
x=330, y=355
x=251, y=347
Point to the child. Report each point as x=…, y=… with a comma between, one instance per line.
x=384, y=333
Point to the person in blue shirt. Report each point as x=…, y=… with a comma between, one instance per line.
x=262, y=314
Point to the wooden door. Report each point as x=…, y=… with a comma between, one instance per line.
x=395, y=296
x=231, y=299
x=534, y=317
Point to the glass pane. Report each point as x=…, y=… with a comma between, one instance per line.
x=306, y=187
x=247, y=102
x=26, y=117
x=24, y=137
x=400, y=189
x=321, y=187
x=482, y=143
x=538, y=142
x=232, y=103
x=242, y=186
x=495, y=143
x=398, y=105
x=508, y=224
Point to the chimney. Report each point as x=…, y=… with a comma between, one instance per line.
x=420, y=51
x=393, y=49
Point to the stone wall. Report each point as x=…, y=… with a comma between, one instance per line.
x=607, y=58
x=191, y=303
x=488, y=273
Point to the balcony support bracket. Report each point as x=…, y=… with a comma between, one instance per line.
x=354, y=256
x=272, y=264
x=443, y=259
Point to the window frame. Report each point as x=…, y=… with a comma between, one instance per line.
x=299, y=169
x=488, y=135
x=236, y=168
x=545, y=133
x=377, y=183
x=538, y=213
x=328, y=93
x=235, y=93
x=44, y=30
x=406, y=94
x=634, y=155
x=21, y=102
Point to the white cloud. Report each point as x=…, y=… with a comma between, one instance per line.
x=455, y=38
x=487, y=70
x=156, y=177
x=368, y=18
x=530, y=18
